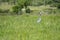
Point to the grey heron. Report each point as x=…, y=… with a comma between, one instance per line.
x=39, y=19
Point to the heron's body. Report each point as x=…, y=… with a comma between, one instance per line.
x=39, y=20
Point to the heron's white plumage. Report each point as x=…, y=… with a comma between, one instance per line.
x=39, y=20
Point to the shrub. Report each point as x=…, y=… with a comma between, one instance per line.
x=58, y=6
x=4, y=10
x=28, y=10
x=17, y=9
x=0, y=10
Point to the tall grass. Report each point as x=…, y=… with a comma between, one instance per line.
x=24, y=27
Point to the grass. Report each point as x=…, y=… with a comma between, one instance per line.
x=22, y=27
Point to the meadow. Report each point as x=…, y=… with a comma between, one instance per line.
x=23, y=27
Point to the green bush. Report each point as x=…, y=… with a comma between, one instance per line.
x=4, y=10
x=28, y=10
x=0, y=10
x=17, y=9
x=58, y=6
